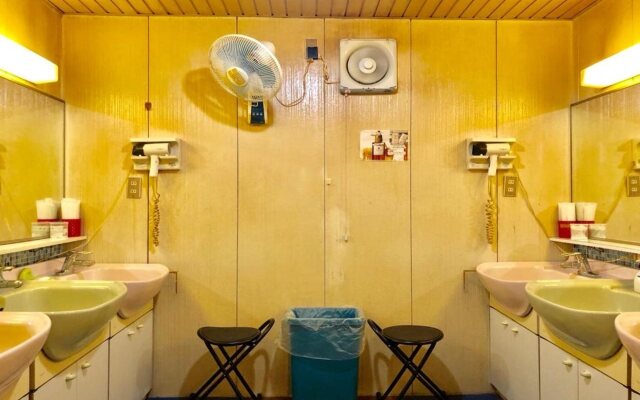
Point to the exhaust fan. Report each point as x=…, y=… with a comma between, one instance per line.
x=368, y=66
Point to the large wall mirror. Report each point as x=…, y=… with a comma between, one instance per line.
x=605, y=134
x=31, y=156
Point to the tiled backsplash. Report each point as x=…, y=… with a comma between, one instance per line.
x=28, y=257
x=611, y=256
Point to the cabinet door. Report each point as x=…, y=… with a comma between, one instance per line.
x=523, y=365
x=514, y=359
x=594, y=385
x=130, y=361
x=558, y=373
x=61, y=387
x=93, y=374
x=499, y=327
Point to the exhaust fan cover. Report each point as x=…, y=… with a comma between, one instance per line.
x=368, y=66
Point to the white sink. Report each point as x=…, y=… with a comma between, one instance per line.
x=143, y=282
x=22, y=335
x=628, y=328
x=506, y=281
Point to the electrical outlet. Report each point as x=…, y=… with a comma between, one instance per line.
x=134, y=187
x=510, y=185
x=311, y=52
x=633, y=185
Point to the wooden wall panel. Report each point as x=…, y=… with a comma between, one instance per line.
x=281, y=199
x=602, y=31
x=198, y=203
x=37, y=26
x=534, y=90
x=105, y=94
x=368, y=202
x=453, y=98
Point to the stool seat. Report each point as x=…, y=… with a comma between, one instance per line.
x=412, y=334
x=227, y=336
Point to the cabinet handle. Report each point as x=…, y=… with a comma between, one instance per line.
x=585, y=374
x=140, y=326
x=568, y=363
x=70, y=377
x=514, y=330
x=86, y=365
x=505, y=323
x=131, y=333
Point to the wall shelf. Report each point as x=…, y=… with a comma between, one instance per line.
x=37, y=244
x=601, y=244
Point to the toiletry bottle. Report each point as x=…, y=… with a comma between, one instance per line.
x=378, y=147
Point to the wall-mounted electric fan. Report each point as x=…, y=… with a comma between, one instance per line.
x=249, y=69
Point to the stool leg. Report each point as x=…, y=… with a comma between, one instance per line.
x=239, y=375
x=225, y=373
x=217, y=377
x=422, y=377
x=399, y=375
x=415, y=372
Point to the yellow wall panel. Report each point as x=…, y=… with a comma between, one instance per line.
x=281, y=199
x=198, y=203
x=605, y=29
x=452, y=100
x=368, y=202
x=534, y=90
x=36, y=25
x=105, y=96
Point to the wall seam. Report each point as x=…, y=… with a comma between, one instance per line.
x=410, y=171
x=497, y=121
x=237, y=205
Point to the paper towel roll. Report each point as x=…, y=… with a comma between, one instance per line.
x=70, y=208
x=566, y=211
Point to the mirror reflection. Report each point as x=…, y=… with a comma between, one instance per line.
x=605, y=138
x=31, y=156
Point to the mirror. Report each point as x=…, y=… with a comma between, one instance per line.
x=605, y=134
x=31, y=156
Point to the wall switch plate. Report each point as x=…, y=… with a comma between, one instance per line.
x=510, y=185
x=134, y=187
x=633, y=185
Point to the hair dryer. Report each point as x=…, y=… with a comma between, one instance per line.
x=153, y=151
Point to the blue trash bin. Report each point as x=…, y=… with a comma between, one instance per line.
x=325, y=345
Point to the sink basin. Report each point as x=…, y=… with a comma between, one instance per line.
x=582, y=312
x=78, y=310
x=506, y=281
x=21, y=338
x=143, y=282
x=628, y=328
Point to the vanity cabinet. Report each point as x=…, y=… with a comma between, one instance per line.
x=564, y=377
x=88, y=378
x=130, y=373
x=514, y=358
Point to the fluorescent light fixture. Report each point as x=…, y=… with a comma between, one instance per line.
x=617, y=68
x=25, y=64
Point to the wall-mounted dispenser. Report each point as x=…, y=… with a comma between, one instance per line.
x=491, y=154
x=155, y=154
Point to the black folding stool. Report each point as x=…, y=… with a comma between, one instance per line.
x=412, y=335
x=246, y=339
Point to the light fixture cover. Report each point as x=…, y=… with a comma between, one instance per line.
x=25, y=64
x=614, y=69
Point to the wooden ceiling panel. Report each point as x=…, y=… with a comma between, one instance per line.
x=423, y=9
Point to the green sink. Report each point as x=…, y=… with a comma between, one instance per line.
x=582, y=313
x=78, y=310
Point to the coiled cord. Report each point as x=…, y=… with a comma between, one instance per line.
x=155, y=215
x=491, y=213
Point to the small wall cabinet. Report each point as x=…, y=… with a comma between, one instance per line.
x=514, y=358
x=130, y=355
x=88, y=378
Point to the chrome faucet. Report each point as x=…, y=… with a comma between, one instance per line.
x=581, y=262
x=71, y=261
x=4, y=283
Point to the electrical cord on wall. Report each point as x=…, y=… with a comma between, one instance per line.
x=325, y=78
x=491, y=212
x=155, y=214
